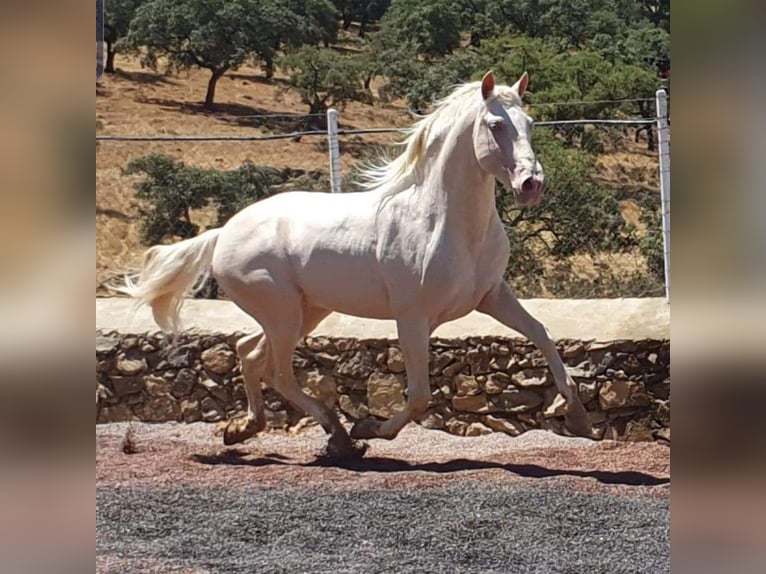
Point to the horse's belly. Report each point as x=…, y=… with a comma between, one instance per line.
x=347, y=284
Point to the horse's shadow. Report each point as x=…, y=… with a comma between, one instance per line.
x=379, y=464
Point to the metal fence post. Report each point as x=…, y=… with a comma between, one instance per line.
x=663, y=145
x=332, y=140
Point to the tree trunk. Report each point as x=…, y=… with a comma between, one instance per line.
x=363, y=26
x=269, y=68
x=210, y=96
x=110, y=53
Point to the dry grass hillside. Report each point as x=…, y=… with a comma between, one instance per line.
x=136, y=101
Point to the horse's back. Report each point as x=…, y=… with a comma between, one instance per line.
x=321, y=245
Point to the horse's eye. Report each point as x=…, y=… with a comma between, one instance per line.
x=495, y=125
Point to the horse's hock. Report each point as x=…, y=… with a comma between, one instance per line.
x=479, y=384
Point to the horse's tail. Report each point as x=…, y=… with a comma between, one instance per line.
x=169, y=273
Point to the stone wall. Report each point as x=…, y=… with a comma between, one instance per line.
x=479, y=385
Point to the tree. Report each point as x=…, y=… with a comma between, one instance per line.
x=430, y=28
x=363, y=11
x=217, y=35
x=117, y=17
x=293, y=23
x=575, y=216
x=324, y=78
x=170, y=190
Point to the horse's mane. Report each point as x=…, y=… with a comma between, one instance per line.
x=398, y=174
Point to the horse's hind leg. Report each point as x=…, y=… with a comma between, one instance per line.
x=253, y=351
x=284, y=333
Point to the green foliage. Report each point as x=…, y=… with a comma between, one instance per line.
x=170, y=190
x=117, y=17
x=220, y=35
x=575, y=216
x=429, y=28
x=362, y=11
x=214, y=34
x=651, y=243
x=324, y=78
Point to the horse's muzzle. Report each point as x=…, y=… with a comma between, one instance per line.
x=530, y=192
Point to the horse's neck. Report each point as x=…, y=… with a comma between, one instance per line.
x=462, y=194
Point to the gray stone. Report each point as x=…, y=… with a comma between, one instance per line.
x=517, y=400
x=578, y=372
x=220, y=392
x=326, y=360
x=477, y=429
x=662, y=412
x=433, y=421
x=662, y=434
x=219, y=359
x=440, y=362
x=159, y=410
x=356, y=409
x=395, y=362
x=211, y=411
x=319, y=344
x=479, y=360
x=114, y=414
x=525, y=380
x=506, y=426
x=573, y=351
x=499, y=349
x=455, y=426
x=454, y=368
x=184, y=383
x=277, y=419
x=179, y=357
x=466, y=385
x=504, y=363
x=359, y=366
x=620, y=394
x=156, y=386
x=106, y=345
x=588, y=391
x=191, y=411
x=557, y=407
x=126, y=385
x=496, y=383
x=131, y=367
x=385, y=396
x=472, y=404
x=446, y=391
x=321, y=387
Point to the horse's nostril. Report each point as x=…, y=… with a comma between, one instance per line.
x=529, y=185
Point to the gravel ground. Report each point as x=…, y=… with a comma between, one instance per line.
x=462, y=528
x=425, y=502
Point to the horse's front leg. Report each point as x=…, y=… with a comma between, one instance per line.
x=503, y=305
x=414, y=336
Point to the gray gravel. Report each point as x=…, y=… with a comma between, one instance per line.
x=517, y=528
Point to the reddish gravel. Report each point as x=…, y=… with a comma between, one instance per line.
x=175, y=454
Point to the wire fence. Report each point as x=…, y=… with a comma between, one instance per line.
x=591, y=283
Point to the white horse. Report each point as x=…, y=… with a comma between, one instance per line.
x=422, y=245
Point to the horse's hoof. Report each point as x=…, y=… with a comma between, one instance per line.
x=344, y=450
x=366, y=429
x=240, y=429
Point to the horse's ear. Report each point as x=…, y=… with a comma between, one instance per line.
x=487, y=85
x=521, y=86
